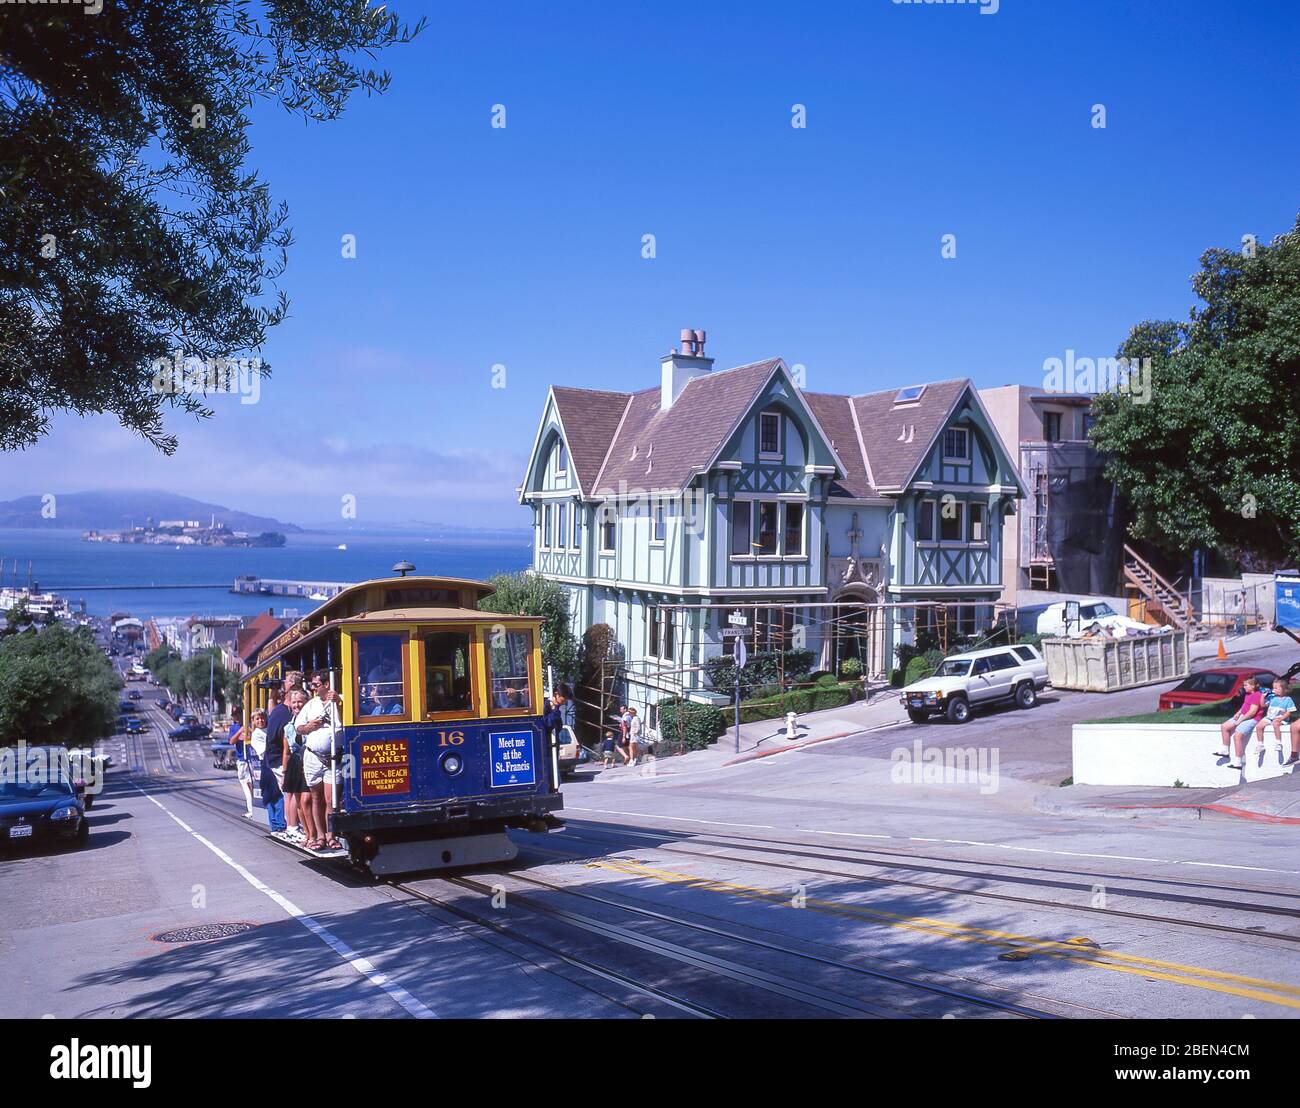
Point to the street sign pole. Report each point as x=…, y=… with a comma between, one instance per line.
x=741, y=657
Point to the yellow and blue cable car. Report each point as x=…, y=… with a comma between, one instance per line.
x=441, y=746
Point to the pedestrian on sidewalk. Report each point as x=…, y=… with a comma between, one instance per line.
x=607, y=749
x=1237, y=729
x=624, y=723
x=633, y=737
x=238, y=740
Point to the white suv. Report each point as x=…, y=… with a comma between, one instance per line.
x=966, y=681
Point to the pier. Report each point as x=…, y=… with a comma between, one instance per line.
x=249, y=584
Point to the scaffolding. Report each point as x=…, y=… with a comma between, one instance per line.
x=841, y=626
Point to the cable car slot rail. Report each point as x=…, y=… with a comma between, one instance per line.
x=1036, y=902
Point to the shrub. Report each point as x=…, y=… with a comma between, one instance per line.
x=918, y=669
x=693, y=726
x=851, y=668
x=896, y=678
x=1031, y=638
x=763, y=668
x=825, y=679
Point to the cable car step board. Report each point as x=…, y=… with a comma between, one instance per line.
x=463, y=850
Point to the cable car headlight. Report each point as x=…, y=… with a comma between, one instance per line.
x=452, y=763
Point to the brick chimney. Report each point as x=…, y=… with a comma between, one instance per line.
x=678, y=369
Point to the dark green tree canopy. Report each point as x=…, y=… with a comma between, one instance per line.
x=1212, y=461
x=528, y=594
x=130, y=227
x=56, y=686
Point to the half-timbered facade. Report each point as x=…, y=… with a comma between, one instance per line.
x=663, y=510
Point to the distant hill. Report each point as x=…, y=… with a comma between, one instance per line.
x=116, y=511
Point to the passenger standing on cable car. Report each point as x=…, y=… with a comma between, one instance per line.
x=295, y=780
x=272, y=761
x=317, y=724
x=553, y=717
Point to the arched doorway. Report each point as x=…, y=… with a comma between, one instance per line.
x=859, y=628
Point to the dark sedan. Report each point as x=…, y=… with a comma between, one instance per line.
x=42, y=811
x=188, y=731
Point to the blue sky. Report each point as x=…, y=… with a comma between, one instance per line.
x=521, y=246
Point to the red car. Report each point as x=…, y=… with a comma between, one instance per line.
x=1223, y=683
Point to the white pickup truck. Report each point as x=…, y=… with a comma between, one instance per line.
x=967, y=681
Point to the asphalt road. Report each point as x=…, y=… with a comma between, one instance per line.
x=818, y=883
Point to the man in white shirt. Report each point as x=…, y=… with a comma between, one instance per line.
x=318, y=725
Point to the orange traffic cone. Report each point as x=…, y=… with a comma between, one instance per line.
x=1223, y=653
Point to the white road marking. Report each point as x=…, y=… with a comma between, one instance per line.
x=680, y=819
x=946, y=842
x=362, y=965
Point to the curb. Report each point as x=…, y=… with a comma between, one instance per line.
x=1158, y=811
x=755, y=755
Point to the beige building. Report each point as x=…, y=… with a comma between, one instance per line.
x=1065, y=537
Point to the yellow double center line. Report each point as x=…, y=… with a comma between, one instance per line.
x=1233, y=984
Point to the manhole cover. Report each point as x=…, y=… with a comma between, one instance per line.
x=203, y=932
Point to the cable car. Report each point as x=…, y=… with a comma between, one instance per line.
x=441, y=746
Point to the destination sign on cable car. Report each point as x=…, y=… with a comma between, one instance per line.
x=511, y=757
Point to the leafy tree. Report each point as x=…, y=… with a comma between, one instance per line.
x=1212, y=460
x=55, y=686
x=528, y=594
x=599, y=681
x=17, y=618
x=130, y=226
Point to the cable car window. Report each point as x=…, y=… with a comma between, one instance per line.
x=379, y=673
x=447, y=686
x=508, y=655
x=431, y=597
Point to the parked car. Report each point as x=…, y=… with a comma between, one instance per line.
x=136, y=727
x=1221, y=683
x=1092, y=614
x=188, y=731
x=975, y=679
x=570, y=753
x=134, y=694
x=42, y=810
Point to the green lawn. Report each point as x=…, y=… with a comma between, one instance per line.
x=1216, y=712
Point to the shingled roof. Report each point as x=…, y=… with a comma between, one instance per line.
x=621, y=440
x=590, y=418
x=660, y=449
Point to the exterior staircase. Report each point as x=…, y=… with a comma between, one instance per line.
x=1164, y=600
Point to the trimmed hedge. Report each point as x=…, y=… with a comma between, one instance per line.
x=699, y=724
x=918, y=669
x=763, y=668
x=800, y=701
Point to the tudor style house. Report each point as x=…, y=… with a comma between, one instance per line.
x=836, y=523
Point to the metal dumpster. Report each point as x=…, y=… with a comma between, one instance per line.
x=1105, y=665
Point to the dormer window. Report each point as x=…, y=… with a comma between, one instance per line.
x=956, y=444
x=769, y=433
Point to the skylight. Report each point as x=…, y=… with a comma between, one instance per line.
x=909, y=395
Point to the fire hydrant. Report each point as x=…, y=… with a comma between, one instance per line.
x=789, y=725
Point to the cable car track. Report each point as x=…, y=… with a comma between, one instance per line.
x=826, y=1000
x=1036, y=902
x=721, y=932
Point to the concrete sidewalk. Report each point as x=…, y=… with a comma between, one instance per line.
x=1275, y=800
x=759, y=740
